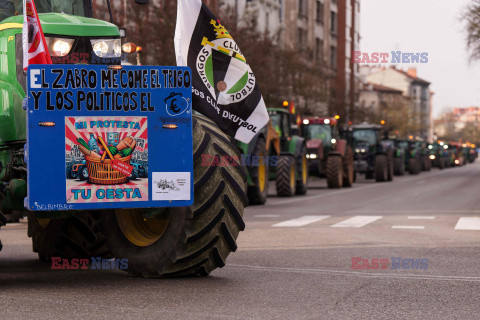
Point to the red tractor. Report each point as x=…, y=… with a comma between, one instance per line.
x=328, y=154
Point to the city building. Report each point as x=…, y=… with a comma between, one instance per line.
x=466, y=120
x=373, y=100
x=329, y=31
x=347, y=83
x=412, y=86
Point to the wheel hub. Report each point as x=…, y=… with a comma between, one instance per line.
x=141, y=231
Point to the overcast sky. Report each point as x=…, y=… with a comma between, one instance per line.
x=431, y=26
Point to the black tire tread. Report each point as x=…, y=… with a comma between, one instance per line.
x=334, y=172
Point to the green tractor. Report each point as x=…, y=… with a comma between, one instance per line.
x=398, y=154
x=329, y=154
x=259, y=156
x=413, y=155
x=291, y=171
x=373, y=155
x=157, y=242
x=425, y=154
x=439, y=154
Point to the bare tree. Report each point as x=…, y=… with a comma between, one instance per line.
x=471, y=16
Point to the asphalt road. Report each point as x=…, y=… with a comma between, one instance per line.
x=294, y=262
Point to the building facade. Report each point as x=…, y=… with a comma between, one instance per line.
x=413, y=87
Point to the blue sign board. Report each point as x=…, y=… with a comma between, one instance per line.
x=103, y=137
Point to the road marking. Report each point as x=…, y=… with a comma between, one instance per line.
x=267, y=216
x=302, y=221
x=357, y=222
x=471, y=223
x=421, y=217
x=356, y=273
x=409, y=227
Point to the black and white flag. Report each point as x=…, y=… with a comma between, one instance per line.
x=224, y=86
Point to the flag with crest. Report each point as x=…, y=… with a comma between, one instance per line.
x=224, y=86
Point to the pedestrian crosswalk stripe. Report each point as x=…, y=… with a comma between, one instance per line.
x=267, y=216
x=302, y=221
x=357, y=222
x=421, y=217
x=409, y=227
x=468, y=223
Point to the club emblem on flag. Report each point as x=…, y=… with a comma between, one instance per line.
x=224, y=85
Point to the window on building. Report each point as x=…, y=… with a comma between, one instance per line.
x=319, y=49
x=333, y=57
x=280, y=10
x=302, y=38
x=320, y=7
x=333, y=21
x=302, y=8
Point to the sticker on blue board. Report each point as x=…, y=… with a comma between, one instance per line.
x=170, y=186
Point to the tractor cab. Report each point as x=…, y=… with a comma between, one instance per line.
x=321, y=129
x=366, y=137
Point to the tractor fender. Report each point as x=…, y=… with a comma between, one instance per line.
x=253, y=143
x=341, y=147
x=295, y=145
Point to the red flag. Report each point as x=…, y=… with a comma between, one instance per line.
x=35, y=50
x=292, y=108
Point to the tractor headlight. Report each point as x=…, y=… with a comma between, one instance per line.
x=363, y=150
x=107, y=48
x=432, y=157
x=357, y=150
x=59, y=47
x=333, y=141
x=311, y=156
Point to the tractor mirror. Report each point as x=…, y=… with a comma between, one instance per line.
x=142, y=1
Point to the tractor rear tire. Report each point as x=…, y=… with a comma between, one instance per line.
x=348, y=168
x=285, y=176
x=257, y=194
x=75, y=237
x=414, y=166
x=441, y=163
x=303, y=172
x=334, y=172
x=188, y=241
x=399, y=164
x=381, y=168
x=391, y=167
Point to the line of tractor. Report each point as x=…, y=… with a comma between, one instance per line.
x=320, y=146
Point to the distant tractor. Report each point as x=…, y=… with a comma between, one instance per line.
x=413, y=155
x=373, y=156
x=398, y=155
x=426, y=162
x=328, y=153
x=439, y=155
x=291, y=173
x=260, y=154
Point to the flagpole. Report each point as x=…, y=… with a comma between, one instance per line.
x=236, y=13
